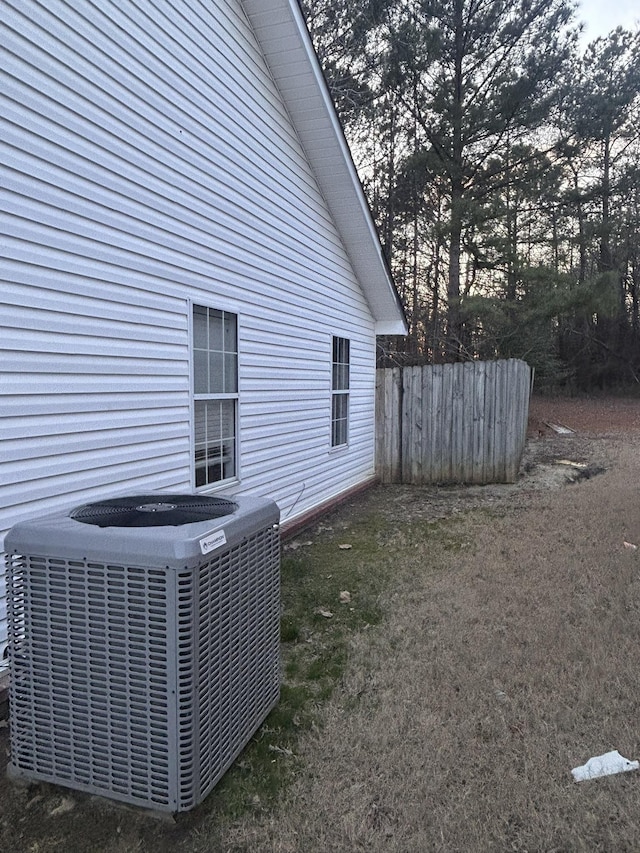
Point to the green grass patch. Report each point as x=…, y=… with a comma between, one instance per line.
x=328, y=593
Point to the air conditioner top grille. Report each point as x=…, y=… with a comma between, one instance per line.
x=153, y=510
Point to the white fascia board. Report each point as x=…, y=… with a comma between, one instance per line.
x=282, y=33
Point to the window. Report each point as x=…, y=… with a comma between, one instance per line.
x=340, y=392
x=215, y=394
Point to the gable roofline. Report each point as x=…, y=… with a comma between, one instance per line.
x=282, y=32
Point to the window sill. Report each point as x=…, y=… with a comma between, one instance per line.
x=212, y=488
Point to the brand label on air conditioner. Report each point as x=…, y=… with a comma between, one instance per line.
x=210, y=543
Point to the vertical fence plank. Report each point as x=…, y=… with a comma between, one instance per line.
x=427, y=426
x=455, y=469
x=394, y=404
x=447, y=424
x=478, y=402
x=407, y=425
x=416, y=412
x=514, y=387
x=388, y=451
x=437, y=437
x=511, y=431
x=390, y=426
x=379, y=420
x=521, y=382
x=490, y=425
x=501, y=431
x=469, y=423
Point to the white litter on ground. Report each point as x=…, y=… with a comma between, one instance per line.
x=559, y=428
x=604, y=765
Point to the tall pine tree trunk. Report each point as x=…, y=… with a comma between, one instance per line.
x=454, y=342
x=606, y=261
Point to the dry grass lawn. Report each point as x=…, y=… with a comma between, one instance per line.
x=508, y=653
x=505, y=660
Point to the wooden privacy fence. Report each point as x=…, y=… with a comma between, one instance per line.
x=452, y=423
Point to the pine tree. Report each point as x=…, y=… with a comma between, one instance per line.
x=482, y=75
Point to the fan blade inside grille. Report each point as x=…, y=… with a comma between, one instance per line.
x=153, y=510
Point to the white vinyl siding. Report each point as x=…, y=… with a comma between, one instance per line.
x=148, y=163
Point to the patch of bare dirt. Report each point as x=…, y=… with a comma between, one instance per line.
x=572, y=439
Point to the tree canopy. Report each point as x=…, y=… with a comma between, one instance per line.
x=501, y=164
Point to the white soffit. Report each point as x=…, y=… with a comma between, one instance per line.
x=281, y=30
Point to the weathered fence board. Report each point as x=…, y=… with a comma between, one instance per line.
x=389, y=436
x=452, y=423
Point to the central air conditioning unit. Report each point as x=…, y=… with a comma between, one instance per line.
x=143, y=643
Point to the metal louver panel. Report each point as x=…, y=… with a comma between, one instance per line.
x=142, y=683
x=228, y=659
x=91, y=678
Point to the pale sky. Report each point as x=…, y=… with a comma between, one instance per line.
x=602, y=16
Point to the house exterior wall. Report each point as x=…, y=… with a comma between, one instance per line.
x=147, y=162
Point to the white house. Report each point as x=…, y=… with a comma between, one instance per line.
x=192, y=283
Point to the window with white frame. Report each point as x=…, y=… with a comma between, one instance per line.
x=340, y=392
x=215, y=394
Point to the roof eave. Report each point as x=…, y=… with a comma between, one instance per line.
x=283, y=35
